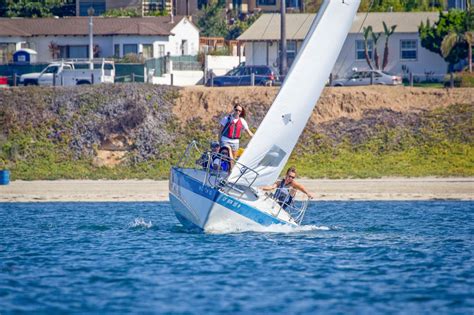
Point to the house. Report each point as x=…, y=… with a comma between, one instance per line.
x=54, y=38
x=177, y=7
x=405, y=51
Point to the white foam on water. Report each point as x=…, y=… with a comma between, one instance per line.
x=140, y=222
x=232, y=227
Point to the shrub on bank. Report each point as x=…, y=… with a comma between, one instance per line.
x=57, y=133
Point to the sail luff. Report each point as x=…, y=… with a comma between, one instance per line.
x=272, y=144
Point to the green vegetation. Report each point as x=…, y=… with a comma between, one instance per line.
x=36, y=8
x=464, y=79
x=58, y=132
x=388, y=5
x=437, y=143
x=122, y=12
x=451, y=26
x=212, y=22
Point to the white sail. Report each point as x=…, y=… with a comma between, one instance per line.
x=272, y=144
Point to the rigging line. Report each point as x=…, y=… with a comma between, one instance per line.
x=352, y=44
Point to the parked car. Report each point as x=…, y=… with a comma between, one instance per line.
x=264, y=75
x=363, y=77
x=71, y=73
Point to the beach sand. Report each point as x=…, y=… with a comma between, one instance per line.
x=427, y=188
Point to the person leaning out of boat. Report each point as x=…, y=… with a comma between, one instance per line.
x=286, y=188
x=208, y=157
x=232, y=126
x=224, y=161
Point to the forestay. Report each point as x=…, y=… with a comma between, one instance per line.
x=272, y=144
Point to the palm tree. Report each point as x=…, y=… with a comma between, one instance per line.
x=375, y=39
x=388, y=32
x=367, y=32
x=452, y=39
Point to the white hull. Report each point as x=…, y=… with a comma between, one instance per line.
x=205, y=208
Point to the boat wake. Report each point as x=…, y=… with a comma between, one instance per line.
x=140, y=223
x=231, y=227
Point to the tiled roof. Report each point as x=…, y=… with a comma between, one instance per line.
x=76, y=26
x=267, y=27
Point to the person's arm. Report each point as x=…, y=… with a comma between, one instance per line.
x=270, y=187
x=302, y=189
x=246, y=127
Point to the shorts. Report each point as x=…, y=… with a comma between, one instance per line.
x=233, y=145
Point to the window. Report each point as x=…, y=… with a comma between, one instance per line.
x=73, y=51
x=147, y=51
x=360, y=49
x=290, y=51
x=408, y=49
x=161, y=50
x=117, y=50
x=97, y=5
x=184, y=47
x=292, y=4
x=261, y=70
x=52, y=69
x=130, y=49
x=266, y=2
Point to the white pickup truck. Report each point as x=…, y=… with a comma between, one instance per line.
x=65, y=73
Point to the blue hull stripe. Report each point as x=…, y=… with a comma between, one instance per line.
x=224, y=200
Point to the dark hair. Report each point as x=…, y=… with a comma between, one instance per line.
x=291, y=169
x=242, y=113
x=224, y=148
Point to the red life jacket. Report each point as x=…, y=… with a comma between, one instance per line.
x=232, y=130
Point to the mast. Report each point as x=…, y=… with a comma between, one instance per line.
x=272, y=144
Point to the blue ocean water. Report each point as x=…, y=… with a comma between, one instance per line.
x=351, y=258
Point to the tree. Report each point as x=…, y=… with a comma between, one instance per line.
x=236, y=29
x=466, y=38
x=121, y=12
x=387, y=32
x=313, y=6
x=455, y=21
x=32, y=8
x=375, y=39
x=367, y=31
x=212, y=22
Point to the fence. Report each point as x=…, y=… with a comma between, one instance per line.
x=123, y=72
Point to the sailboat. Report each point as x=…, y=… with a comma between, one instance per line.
x=205, y=199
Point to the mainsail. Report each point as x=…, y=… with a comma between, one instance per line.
x=272, y=144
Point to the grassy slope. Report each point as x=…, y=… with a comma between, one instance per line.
x=51, y=134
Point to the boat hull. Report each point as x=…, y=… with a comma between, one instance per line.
x=199, y=206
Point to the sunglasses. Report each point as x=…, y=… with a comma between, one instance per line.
x=292, y=177
x=238, y=110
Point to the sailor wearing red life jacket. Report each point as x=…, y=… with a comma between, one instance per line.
x=232, y=127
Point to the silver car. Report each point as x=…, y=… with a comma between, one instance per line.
x=364, y=77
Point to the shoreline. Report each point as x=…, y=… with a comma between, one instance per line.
x=397, y=189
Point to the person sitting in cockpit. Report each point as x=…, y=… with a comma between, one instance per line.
x=224, y=161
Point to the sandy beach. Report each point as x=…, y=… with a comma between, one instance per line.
x=323, y=189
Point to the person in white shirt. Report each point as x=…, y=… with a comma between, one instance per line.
x=232, y=126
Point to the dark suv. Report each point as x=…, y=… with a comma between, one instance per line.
x=264, y=75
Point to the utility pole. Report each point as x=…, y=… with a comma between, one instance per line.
x=90, y=12
x=283, y=59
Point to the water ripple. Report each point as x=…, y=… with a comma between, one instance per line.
x=350, y=257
